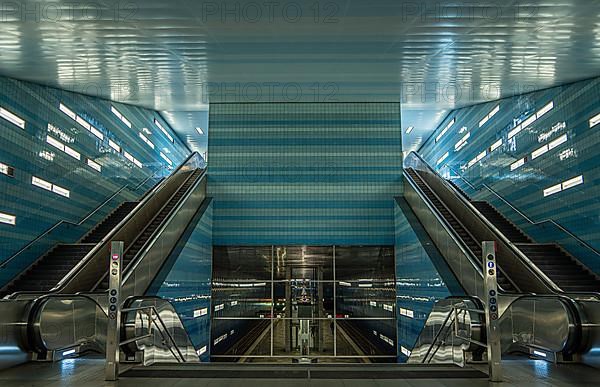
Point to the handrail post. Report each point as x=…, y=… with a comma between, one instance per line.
x=491, y=311
x=113, y=336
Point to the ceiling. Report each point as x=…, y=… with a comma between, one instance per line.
x=179, y=55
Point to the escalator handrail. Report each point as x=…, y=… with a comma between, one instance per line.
x=80, y=222
x=553, y=288
x=524, y=216
x=129, y=216
x=139, y=256
x=459, y=242
x=75, y=270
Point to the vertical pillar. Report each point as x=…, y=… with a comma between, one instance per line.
x=288, y=309
x=494, y=351
x=113, y=335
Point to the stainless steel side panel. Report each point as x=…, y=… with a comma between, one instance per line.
x=156, y=348
x=146, y=265
x=95, y=265
x=466, y=271
x=13, y=333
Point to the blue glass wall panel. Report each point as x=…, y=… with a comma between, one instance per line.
x=185, y=280
x=304, y=173
x=27, y=151
x=422, y=278
x=556, y=142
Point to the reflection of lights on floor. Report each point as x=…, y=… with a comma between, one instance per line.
x=541, y=368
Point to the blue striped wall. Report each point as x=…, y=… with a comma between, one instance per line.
x=185, y=279
x=37, y=209
x=577, y=209
x=304, y=173
x=422, y=277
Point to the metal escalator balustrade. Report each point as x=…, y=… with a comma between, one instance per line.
x=562, y=268
x=458, y=228
x=518, y=269
x=151, y=228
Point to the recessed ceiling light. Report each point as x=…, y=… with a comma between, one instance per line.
x=199, y=130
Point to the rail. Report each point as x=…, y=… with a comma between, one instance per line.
x=152, y=316
x=512, y=256
x=98, y=248
x=79, y=223
x=577, y=239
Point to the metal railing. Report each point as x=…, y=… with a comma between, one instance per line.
x=151, y=317
x=560, y=227
x=452, y=324
x=513, y=261
x=63, y=223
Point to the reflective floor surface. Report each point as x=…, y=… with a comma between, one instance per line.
x=89, y=372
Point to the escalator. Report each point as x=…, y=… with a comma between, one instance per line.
x=151, y=228
x=560, y=267
x=473, y=245
x=46, y=272
x=548, y=303
x=51, y=311
x=82, y=267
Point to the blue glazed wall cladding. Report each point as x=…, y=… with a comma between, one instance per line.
x=419, y=283
x=187, y=282
x=295, y=173
x=27, y=151
x=576, y=208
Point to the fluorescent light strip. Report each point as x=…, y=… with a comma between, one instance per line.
x=409, y=129
x=55, y=143
x=529, y=121
x=41, y=183
x=595, y=120
x=84, y=123
x=158, y=124
x=405, y=351
x=114, y=145
x=538, y=152
x=96, y=133
x=120, y=116
x=94, y=165
x=552, y=190
x=561, y=140
x=496, y=145
x=61, y=191
x=200, y=312
x=517, y=164
x=168, y=160
x=515, y=131
x=444, y=157
x=572, y=182
x=201, y=351
x=67, y=111
x=7, y=170
x=489, y=116
x=445, y=130
x=8, y=219
x=138, y=163
x=128, y=156
x=73, y=153
x=81, y=121
x=545, y=109
x=12, y=118
x=462, y=142
x=201, y=132
x=481, y=155
x=146, y=140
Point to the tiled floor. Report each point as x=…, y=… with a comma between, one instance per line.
x=89, y=372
